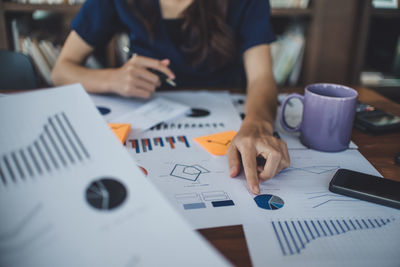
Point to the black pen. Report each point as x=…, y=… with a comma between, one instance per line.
x=163, y=77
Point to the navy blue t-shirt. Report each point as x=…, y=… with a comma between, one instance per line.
x=99, y=20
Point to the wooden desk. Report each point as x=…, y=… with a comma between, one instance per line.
x=379, y=150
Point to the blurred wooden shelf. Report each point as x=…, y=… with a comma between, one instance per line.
x=289, y=12
x=28, y=8
x=385, y=13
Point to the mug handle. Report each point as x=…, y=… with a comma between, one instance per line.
x=282, y=113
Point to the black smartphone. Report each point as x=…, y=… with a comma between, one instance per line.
x=366, y=187
x=375, y=121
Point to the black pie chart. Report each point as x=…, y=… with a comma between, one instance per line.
x=197, y=113
x=106, y=194
x=103, y=110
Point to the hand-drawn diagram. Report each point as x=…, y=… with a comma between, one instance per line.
x=322, y=198
x=313, y=169
x=188, y=172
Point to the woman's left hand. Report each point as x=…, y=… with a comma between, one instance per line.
x=255, y=139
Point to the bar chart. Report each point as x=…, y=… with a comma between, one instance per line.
x=294, y=235
x=202, y=200
x=58, y=146
x=188, y=126
x=144, y=145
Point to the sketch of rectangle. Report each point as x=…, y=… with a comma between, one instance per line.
x=191, y=206
x=215, y=196
x=188, y=198
x=223, y=203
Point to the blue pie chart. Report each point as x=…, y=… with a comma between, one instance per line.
x=269, y=202
x=103, y=110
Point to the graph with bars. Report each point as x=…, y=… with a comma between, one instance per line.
x=144, y=145
x=187, y=126
x=294, y=235
x=57, y=147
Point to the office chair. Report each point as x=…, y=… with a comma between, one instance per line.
x=16, y=71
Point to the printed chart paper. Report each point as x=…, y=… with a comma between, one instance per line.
x=297, y=220
x=359, y=240
x=195, y=182
x=303, y=187
x=155, y=111
x=198, y=185
x=70, y=195
x=112, y=107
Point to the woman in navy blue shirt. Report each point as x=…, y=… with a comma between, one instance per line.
x=198, y=43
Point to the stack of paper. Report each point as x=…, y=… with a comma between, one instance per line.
x=71, y=196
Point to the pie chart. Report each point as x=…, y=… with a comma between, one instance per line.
x=145, y=172
x=105, y=194
x=197, y=113
x=269, y=202
x=104, y=110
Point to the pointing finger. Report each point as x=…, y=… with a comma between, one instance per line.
x=233, y=160
x=250, y=169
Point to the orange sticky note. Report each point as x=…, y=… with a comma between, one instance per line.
x=216, y=144
x=121, y=130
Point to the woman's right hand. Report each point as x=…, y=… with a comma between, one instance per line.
x=134, y=79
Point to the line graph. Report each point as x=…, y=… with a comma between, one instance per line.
x=322, y=198
x=316, y=169
x=25, y=234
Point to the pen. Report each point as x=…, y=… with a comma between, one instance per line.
x=163, y=77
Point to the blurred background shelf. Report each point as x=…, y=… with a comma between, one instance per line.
x=29, y=8
x=340, y=39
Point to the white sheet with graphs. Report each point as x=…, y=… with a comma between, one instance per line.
x=198, y=185
x=70, y=195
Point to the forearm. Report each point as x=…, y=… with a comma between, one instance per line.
x=94, y=81
x=261, y=100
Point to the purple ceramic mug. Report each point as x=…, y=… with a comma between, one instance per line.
x=328, y=115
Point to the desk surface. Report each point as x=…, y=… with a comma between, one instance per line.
x=379, y=150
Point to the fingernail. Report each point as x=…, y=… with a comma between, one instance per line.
x=232, y=171
x=255, y=189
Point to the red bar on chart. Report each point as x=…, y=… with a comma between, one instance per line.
x=171, y=141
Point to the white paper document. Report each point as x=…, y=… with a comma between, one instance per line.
x=193, y=181
x=112, y=107
x=303, y=188
x=199, y=187
x=297, y=220
x=70, y=195
x=360, y=240
x=155, y=111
